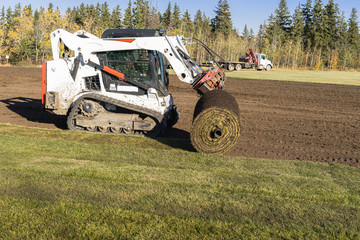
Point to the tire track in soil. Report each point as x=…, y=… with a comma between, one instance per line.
x=279, y=120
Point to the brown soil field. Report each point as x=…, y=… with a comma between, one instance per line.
x=278, y=120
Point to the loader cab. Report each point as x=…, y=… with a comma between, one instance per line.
x=146, y=67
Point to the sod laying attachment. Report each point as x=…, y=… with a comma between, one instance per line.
x=216, y=126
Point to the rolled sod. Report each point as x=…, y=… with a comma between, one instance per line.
x=216, y=126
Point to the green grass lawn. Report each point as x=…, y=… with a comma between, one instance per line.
x=71, y=185
x=330, y=77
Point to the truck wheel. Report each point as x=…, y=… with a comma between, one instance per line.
x=238, y=67
x=268, y=68
x=231, y=67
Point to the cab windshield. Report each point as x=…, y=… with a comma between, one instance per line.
x=135, y=64
x=141, y=65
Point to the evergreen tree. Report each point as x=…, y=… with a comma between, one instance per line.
x=115, y=21
x=187, y=24
x=245, y=33
x=274, y=32
x=297, y=28
x=282, y=16
x=331, y=20
x=261, y=37
x=80, y=15
x=222, y=22
x=105, y=20
x=307, y=15
x=251, y=33
x=342, y=45
x=2, y=17
x=318, y=25
x=128, y=18
x=50, y=7
x=9, y=17
x=198, y=24
x=353, y=60
x=17, y=10
x=166, y=18
x=176, y=21
x=342, y=28
x=353, y=31
x=140, y=13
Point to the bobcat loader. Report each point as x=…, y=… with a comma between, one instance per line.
x=118, y=83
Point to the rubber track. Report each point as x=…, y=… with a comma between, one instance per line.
x=94, y=96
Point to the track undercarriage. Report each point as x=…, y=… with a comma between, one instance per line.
x=97, y=113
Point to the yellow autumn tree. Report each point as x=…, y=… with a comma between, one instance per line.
x=20, y=36
x=48, y=21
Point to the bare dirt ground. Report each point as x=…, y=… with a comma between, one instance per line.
x=279, y=120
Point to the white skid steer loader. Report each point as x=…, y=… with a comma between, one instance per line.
x=118, y=83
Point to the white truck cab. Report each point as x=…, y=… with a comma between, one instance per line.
x=264, y=63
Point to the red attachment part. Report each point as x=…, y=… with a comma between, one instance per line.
x=248, y=58
x=213, y=79
x=43, y=83
x=253, y=56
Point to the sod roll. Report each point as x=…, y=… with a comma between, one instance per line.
x=216, y=126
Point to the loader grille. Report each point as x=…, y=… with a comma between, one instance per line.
x=93, y=83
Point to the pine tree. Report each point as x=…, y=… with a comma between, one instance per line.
x=251, y=33
x=187, y=24
x=318, y=25
x=128, y=18
x=166, y=18
x=105, y=16
x=297, y=28
x=307, y=15
x=282, y=16
x=140, y=12
x=17, y=10
x=176, y=22
x=331, y=19
x=260, y=37
x=354, y=40
x=274, y=32
x=353, y=31
x=342, y=45
x=318, y=37
x=198, y=24
x=115, y=21
x=245, y=33
x=222, y=22
x=80, y=15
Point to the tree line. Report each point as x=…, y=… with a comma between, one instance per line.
x=315, y=36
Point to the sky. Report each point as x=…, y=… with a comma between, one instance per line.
x=249, y=12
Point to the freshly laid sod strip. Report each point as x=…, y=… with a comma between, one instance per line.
x=71, y=185
x=330, y=77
